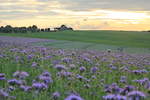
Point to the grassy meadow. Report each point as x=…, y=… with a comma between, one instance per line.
x=117, y=38
x=74, y=70
x=40, y=73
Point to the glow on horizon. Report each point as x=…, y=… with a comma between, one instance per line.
x=55, y=15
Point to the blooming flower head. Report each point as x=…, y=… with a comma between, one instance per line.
x=123, y=79
x=34, y=64
x=136, y=95
x=15, y=82
x=127, y=89
x=3, y=94
x=114, y=97
x=11, y=88
x=82, y=69
x=39, y=86
x=67, y=60
x=43, y=49
x=64, y=74
x=80, y=77
x=139, y=71
x=30, y=56
x=25, y=88
x=46, y=73
x=86, y=59
x=142, y=81
x=73, y=97
x=94, y=69
x=45, y=79
x=2, y=76
x=115, y=88
x=55, y=95
x=60, y=67
x=20, y=74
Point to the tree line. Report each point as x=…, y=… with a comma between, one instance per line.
x=33, y=29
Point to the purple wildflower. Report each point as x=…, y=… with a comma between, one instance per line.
x=55, y=95
x=20, y=74
x=23, y=51
x=114, y=97
x=94, y=69
x=30, y=56
x=112, y=66
x=142, y=81
x=34, y=64
x=11, y=88
x=93, y=77
x=39, y=86
x=43, y=49
x=15, y=82
x=17, y=58
x=79, y=77
x=127, y=89
x=25, y=88
x=46, y=79
x=67, y=60
x=2, y=76
x=73, y=97
x=3, y=94
x=64, y=74
x=82, y=69
x=136, y=95
x=46, y=73
x=60, y=67
x=86, y=59
x=123, y=79
x=139, y=71
x=115, y=88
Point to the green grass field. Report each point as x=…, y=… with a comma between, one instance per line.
x=89, y=75
x=114, y=38
x=100, y=70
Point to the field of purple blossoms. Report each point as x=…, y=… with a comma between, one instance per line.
x=39, y=73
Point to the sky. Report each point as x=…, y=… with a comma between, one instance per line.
x=79, y=14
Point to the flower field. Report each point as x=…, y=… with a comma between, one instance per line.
x=40, y=73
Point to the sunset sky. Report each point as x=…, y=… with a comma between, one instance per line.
x=79, y=14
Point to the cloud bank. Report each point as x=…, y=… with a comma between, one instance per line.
x=90, y=13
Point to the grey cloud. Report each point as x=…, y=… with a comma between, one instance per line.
x=22, y=11
x=109, y=4
x=85, y=5
x=23, y=14
x=45, y=8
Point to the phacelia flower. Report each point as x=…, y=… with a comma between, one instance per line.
x=55, y=95
x=94, y=69
x=82, y=69
x=20, y=74
x=15, y=82
x=25, y=88
x=136, y=95
x=3, y=94
x=2, y=76
x=39, y=86
x=60, y=67
x=114, y=97
x=73, y=97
